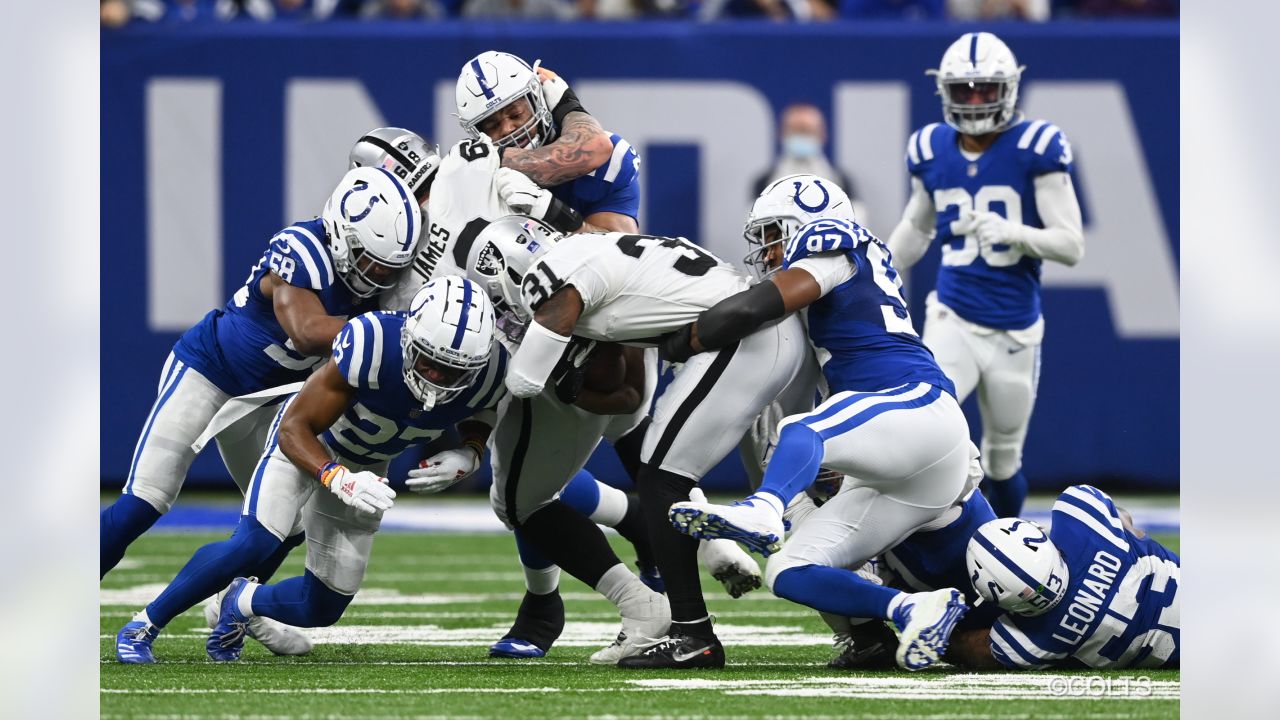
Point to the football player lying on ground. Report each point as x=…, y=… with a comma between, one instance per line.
x=892, y=423
x=412, y=377
x=633, y=289
x=275, y=329
x=1094, y=592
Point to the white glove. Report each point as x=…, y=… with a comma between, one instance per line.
x=521, y=194
x=553, y=86
x=443, y=469
x=364, y=491
x=728, y=563
x=989, y=228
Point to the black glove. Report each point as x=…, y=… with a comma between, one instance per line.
x=569, y=373
x=677, y=347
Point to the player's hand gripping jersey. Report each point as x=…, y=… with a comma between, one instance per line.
x=1119, y=607
x=242, y=348
x=634, y=288
x=860, y=326
x=997, y=286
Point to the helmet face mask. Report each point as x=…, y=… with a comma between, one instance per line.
x=495, y=85
x=786, y=205
x=978, y=83
x=446, y=340
x=766, y=236
x=1013, y=563
x=373, y=223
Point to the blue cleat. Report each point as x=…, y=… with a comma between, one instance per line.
x=925, y=621
x=133, y=643
x=652, y=579
x=226, y=640
x=512, y=647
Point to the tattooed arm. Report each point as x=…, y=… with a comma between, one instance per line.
x=582, y=147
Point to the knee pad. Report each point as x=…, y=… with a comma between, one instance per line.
x=1007, y=403
x=1001, y=462
x=327, y=605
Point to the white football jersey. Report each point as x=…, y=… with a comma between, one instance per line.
x=635, y=288
x=463, y=200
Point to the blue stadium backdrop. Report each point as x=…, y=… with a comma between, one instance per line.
x=214, y=137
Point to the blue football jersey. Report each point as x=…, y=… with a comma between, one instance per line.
x=1120, y=608
x=861, y=329
x=242, y=348
x=612, y=187
x=997, y=287
x=934, y=559
x=385, y=417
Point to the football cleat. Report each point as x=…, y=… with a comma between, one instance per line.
x=651, y=578
x=133, y=642
x=751, y=522
x=925, y=621
x=644, y=617
x=677, y=652
x=226, y=640
x=737, y=571
x=274, y=635
x=538, y=625
x=869, y=646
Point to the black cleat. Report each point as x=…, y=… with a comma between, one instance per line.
x=538, y=625
x=871, y=646
x=677, y=652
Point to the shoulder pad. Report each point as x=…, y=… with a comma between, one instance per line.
x=824, y=236
x=300, y=256
x=922, y=144
x=359, y=347
x=1044, y=146
x=623, y=165
x=1088, y=506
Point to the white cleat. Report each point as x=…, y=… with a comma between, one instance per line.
x=644, y=619
x=753, y=523
x=274, y=635
x=926, y=620
x=731, y=565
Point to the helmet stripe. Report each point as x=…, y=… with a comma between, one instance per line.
x=461, y=331
x=484, y=86
x=391, y=150
x=973, y=49
x=409, y=210
x=1013, y=567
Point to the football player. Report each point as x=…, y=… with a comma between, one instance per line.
x=892, y=423
x=1094, y=591
x=995, y=189
x=412, y=376
x=271, y=333
x=628, y=288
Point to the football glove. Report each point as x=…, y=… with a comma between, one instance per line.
x=444, y=469
x=364, y=491
x=560, y=98
x=989, y=228
x=521, y=194
x=677, y=346
x=569, y=373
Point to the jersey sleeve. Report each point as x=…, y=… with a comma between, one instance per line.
x=612, y=187
x=829, y=271
x=824, y=236
x=920, y=148
x=1021, y=649
x=360, y=347
x=1045, y=148
x=571, y=263
x=300, y=258
x=1090, y=512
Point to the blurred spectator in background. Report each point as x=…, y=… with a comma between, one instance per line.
x=521, y=9
x=633, y=9
x=1118, y=8
x=893, y=9
x=802, y=137
x=1032, y=10
x=802, y=10
x=405, y=9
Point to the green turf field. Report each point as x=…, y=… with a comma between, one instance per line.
x=413, y=644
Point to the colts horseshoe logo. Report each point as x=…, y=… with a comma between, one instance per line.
x=362, y=185
x=826, y=198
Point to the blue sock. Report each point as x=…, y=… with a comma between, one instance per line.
x=1006, y=496
x=301, y=602
x=212, y=568
x=118, y=526
x=795, y=463
x=529, y=555
x=836, y=591
x=268, y=567
x=582, y=493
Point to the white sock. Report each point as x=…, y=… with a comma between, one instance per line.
x=542, y=581
x=896, y=602
x=141, y=616
x=244, y=603
x=618, y=583
x=767, y=499
x=612, y=506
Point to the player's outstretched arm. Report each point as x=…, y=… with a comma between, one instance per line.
x=913, y=233
x=971, y=649
x=737, y=316
x=582, y=147
x=448, y=467
x=302, y=316
x=318, y=405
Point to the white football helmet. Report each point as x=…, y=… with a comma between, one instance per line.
x=493, y=80
x=1013, y=563
x=401, y=151
x=978, y=67
x=373, y=223
x=446, y=340
x=786, y=205
x=500, y=256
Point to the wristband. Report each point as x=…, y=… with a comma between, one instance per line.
x=325, y=476
x=475, y=444
x=568, y=103
x=562, y=217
